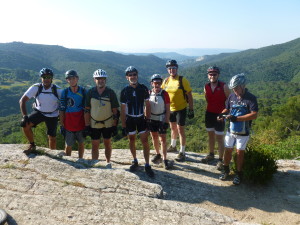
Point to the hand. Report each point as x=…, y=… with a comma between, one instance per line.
x=221, y=117
x=87, y=131
x=114, y=131
x=191, y=114
x=231, y=118
x=62, y=131
x=124, y=132
x=24, y=121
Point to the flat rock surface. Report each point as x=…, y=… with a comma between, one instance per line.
x=49, y=189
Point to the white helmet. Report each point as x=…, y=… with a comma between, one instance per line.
x=237, y=80
x=100, y=73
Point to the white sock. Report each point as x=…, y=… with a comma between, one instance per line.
x=182, y=149
x=173, y=142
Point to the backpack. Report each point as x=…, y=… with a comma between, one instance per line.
x=180, y=87
x=40, y=90
x=239, y=127
x=161, y=94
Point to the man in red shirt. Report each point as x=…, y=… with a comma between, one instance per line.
x=216, y=93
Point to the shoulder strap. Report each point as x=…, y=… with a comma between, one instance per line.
x=54, y=90
x=181, y=86
x=40, y=88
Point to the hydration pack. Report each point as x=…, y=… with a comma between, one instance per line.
x=239, y=127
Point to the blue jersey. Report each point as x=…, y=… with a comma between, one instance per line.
x=73, y=104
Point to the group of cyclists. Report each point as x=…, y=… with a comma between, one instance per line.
x=95, y=113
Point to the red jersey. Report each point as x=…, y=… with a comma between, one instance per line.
x=215, y=100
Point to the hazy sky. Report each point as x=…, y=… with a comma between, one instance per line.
x=137, y=25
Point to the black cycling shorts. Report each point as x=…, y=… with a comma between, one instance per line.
x=101, y=132
x=37, y=117
x=134, y=124
x=178, y=116
x=212, y=122
x=156, y=126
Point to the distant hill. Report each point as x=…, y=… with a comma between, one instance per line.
x=272, y=63
x=167, y=55
x=18, y=55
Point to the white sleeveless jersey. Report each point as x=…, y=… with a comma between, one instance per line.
x=158, y=107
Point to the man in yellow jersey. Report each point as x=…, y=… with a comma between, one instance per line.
x=180, y=94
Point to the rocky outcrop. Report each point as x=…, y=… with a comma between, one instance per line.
x=47, y=189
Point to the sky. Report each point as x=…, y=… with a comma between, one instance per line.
x=150, y=25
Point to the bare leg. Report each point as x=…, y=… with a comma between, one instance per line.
x=95, y=149
x=68, y=150
x=155, y=141
x=146, y=148
x=181, y=132
x=220, y=140
x=227, y=156
x=163, y=142
x=240, y=159
x=211, y=141
x=80, y=150
x=132, y=145
x=52, y=142
x=108, y=149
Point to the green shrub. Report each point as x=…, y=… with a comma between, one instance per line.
x=259, y=165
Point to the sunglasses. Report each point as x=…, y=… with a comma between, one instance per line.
x=213, y=74
x=47, y=77
x=172, y=68
x=100, y=78
x=132, y=74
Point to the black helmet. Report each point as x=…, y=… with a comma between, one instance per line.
x=156, y=77
x=46, y=71
x=71, y=73
x=171, y=62
x=212, y=69
x=130, y=69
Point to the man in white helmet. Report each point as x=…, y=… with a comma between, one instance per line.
x=240, y=109
x=101, y=115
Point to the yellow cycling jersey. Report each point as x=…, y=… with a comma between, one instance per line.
x=177, y=99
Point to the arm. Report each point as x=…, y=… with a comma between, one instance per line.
x=62, y=118
x=116, y=119
x=250, y=116
x=147, y=109
x=226, y=91
x=123, y=115
x=87, y=116
x=167, y=113
x=191, y=100
x=22, y=103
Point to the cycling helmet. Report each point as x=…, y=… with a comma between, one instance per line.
x=71, y=73
x=46, y=71
x=130, y=69
x=100, y=73
x=171, y=62
x=237, y=80
x=156, y=77
x=212, y=69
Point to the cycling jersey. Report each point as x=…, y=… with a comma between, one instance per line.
x=248, y=101
x=46, y=102
x=158, y=103
x=177, y=99
x=134, y=99
x=101, y=107
x=73, y=105
x=215, y=100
